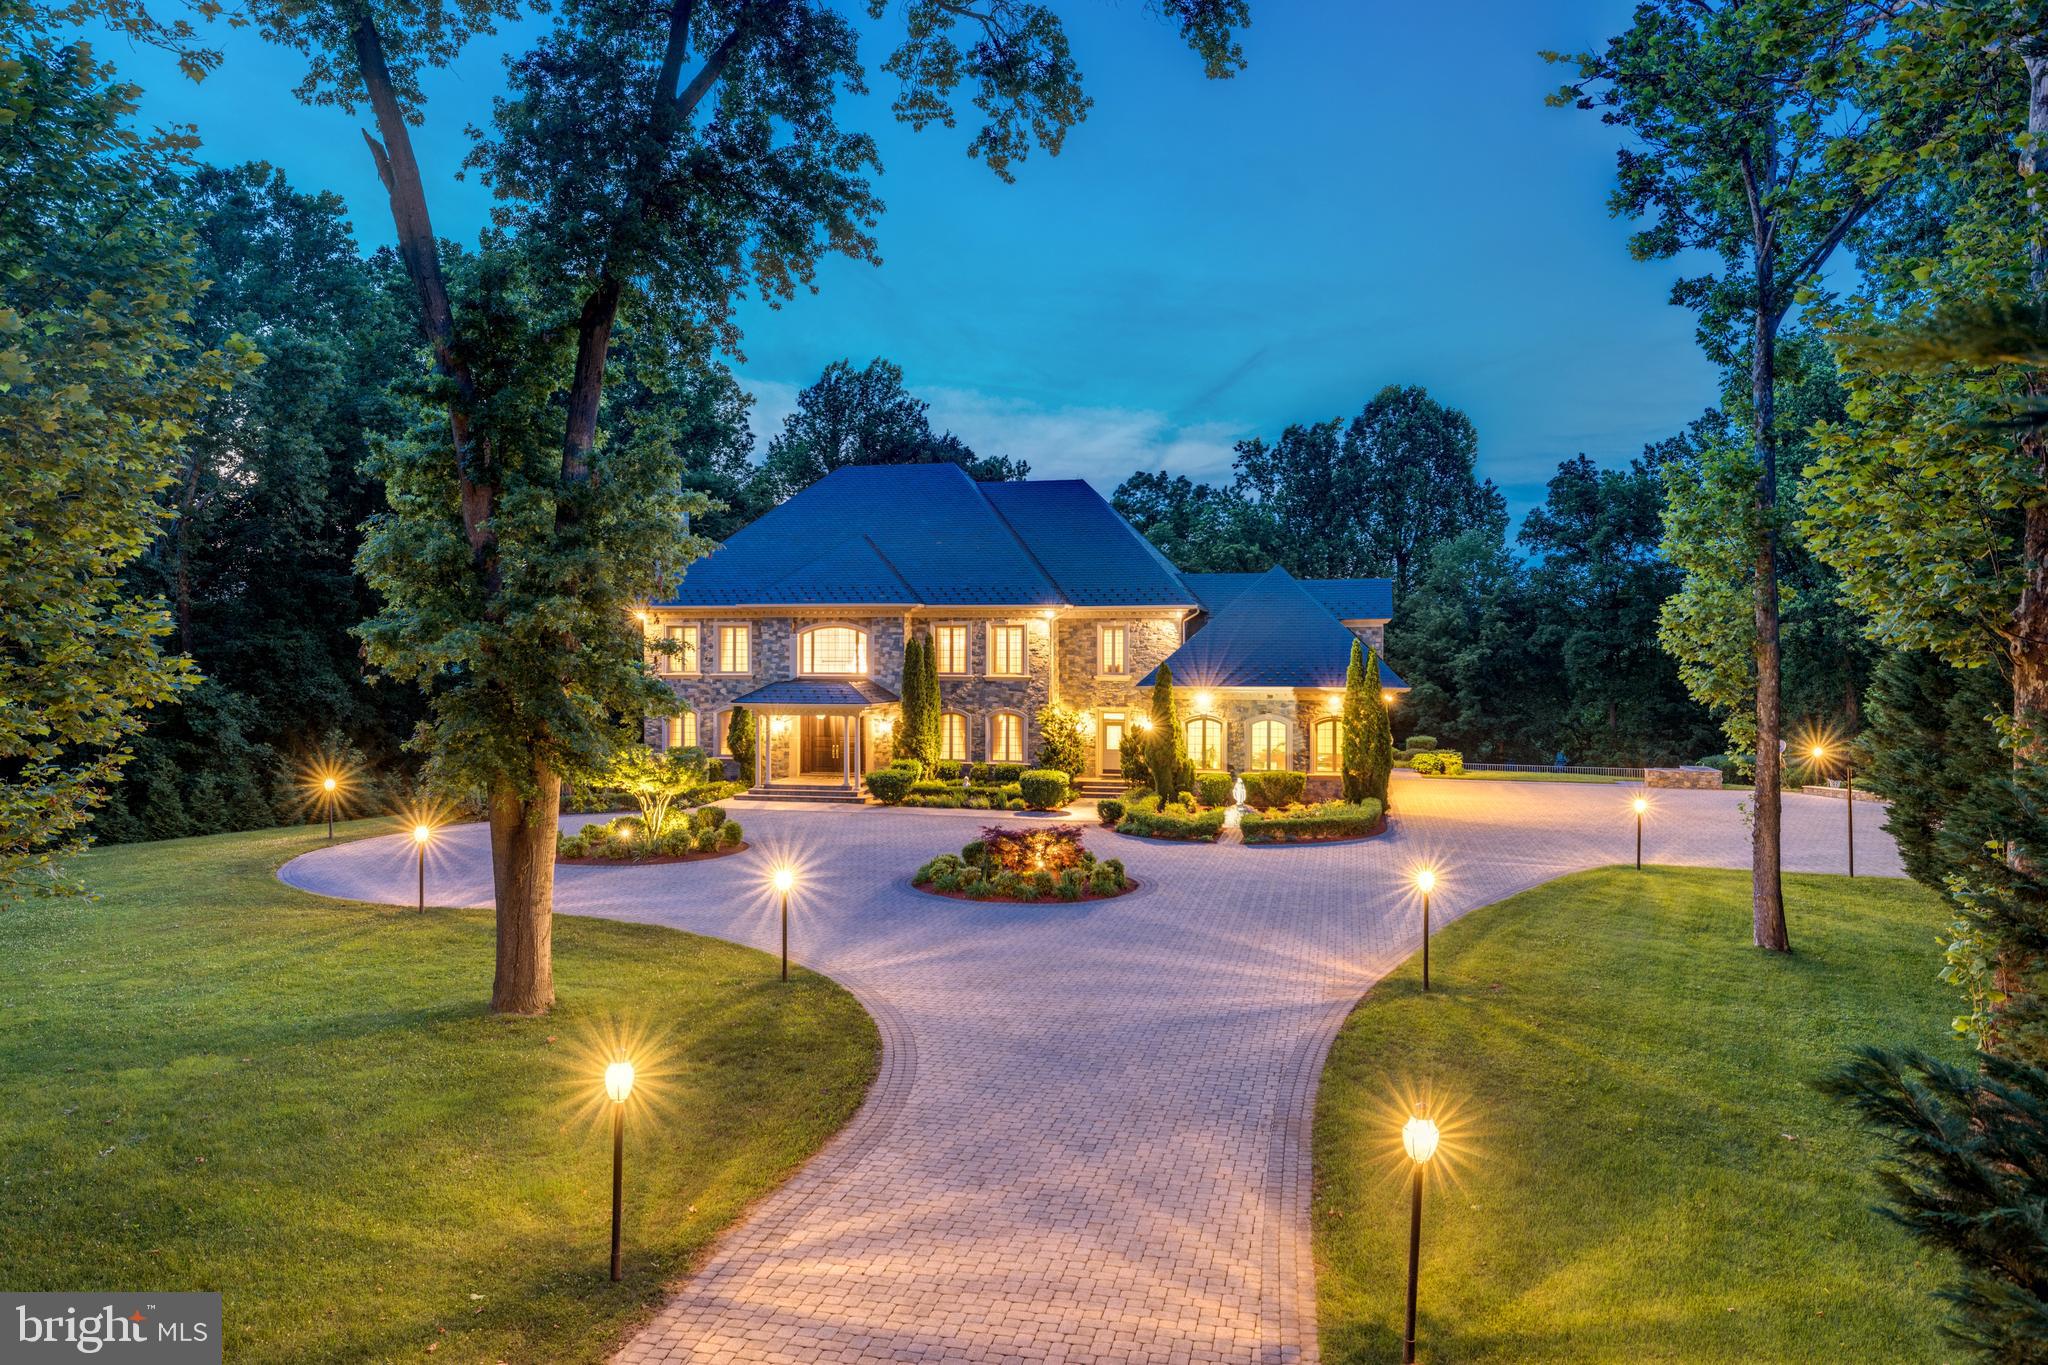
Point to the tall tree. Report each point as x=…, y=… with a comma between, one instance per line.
x=1200, y=527
x=1412, y=481
x=849, y=417
x=1368, y=738
x=1760, y=135
x=1299, y=490
x=99, y=386
x=518, y=540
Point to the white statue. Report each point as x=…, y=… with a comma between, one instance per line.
x=1237, y=793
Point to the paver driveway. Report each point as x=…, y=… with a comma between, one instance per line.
x=1090, y=1138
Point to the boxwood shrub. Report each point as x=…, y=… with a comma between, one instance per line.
x=1446, y=761
x=973, y=872
x=1415, y=742
x=1109, y=810
x=890, y=785
x=1145, y=816
x=1213, y=789
x=1329, y=820
x=1043, y=788
x=624, y=840
x=1278, y=788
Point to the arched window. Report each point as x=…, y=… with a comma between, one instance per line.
x=953, y=737
x=833, y=649
x=1205, y=744
x=1006, y=737
x=1269, y=746
x=1329, y=746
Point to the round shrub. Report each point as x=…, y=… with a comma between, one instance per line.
x=890, y=785
x=1415, y=742
x=1213, y=789
x=1043, y=788
x=729, y=834
x=908, y=765
x=709, y=817
x=1109, y=810
x=1427, y=763
x=972, y=853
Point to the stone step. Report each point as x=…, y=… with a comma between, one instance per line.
x=784, y=792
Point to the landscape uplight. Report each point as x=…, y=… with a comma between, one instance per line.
x=784, y=879
x=618, y=1087
x=1419, y=1138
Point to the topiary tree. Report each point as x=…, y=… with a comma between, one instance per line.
x=739, y=741
x=932, y=708
x=1061, y=744
x=910, y=729
x=1166, y=748
x=1368, y=738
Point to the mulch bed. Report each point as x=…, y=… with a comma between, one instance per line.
x=1129, y=887
x=740, y=847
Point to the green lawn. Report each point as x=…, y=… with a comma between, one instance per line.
x=1643, y=1170
x=1531, y=777
x=215, y=1082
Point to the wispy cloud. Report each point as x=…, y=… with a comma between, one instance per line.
x=1100, y=444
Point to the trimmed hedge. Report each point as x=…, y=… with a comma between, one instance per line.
x=1278, y=788
x=1213, y=789
x=1329, y=820
x=1416, y=742
x=624, y=839
x=890, y=785
x=1043, y=788
x=1146, y=817
x=1448, y=762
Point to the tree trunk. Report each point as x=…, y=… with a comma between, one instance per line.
x=1767, y=892
x=523, y=875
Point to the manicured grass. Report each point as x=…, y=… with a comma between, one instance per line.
x=215, y=1082
x=1642, y=1170
x=1469, y=776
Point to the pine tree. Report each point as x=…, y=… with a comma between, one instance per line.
x=1166, y=748
x=931, y=707
x=1368, y=737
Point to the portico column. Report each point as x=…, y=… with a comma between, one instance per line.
x=845, y=755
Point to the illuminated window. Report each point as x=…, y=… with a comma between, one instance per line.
x=717, y=745
x=1111, y=653
x=951, y=642
x=1006, y=737
x=1269, y=746
x=682, y=731
x=835, y=649
x=953, y=736
x=735, y=649
x=678, y=649
x=1205, y=744
x=1329, y=746
x=1005, y=653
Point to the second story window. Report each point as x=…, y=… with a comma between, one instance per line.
x=1006, y=651
x=1113, y=663
x=951, y=643
x=735, y=649
x=834, y=649
x=675, y=651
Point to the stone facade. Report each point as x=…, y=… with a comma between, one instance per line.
x=1688, y=778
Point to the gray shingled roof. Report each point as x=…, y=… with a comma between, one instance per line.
x=817, y=692
x=1096, y=558
x=1270, y=632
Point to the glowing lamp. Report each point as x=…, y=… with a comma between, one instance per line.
x=422, y=833
x=1203, y=701
x=1641, y=805
x=1387, y=697
x=784, y=879
x=618, y=1081
x=1419, y=1138
x=327, y=784
x=1335, y=705
x=1142, y=723
x=1425, y=881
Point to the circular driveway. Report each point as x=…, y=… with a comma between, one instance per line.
x=1089, y=1141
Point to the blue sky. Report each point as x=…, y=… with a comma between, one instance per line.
x=1381, y=198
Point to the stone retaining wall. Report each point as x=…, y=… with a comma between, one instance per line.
x=1695, y=779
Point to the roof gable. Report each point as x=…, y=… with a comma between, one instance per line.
x=1272, y=632
x=1094, y=556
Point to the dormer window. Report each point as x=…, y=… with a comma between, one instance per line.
x=834, y=649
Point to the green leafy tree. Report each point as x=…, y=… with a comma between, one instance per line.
x=863, y=417
x=1759, y=133
x=656, y=780
x=1166, y=747
x=1200, y=527
x=99, y=388
x=1060, y=741
x=518, y=540
x=1368, y=738
x=1413, y=480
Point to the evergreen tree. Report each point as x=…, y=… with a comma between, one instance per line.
x=1166, y=747
x=931, y=740
x=741, y=740
x=1368, y=737
x=910, y=697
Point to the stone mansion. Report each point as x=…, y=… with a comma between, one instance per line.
x=1030, y=592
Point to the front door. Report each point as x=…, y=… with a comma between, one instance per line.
x=821, y=745
x=1112, y=742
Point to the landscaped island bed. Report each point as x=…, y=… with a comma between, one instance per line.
x=1637, y=1166
x=215, y=1081
x=706, y=832
x=1025, y=865
x=1278, y=815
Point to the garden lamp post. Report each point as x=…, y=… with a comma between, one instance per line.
x=1820, y=753
x=328, y=789
x=1642, y=806
x=1425, y=882
x=618, y=1084
x=784, y=880
x=1419, y=1138
x=422, y=835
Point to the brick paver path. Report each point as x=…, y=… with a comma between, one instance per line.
x=1090, y=1138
